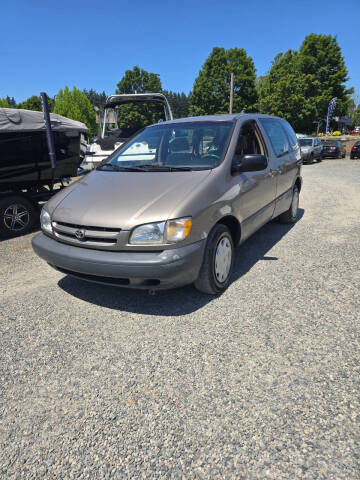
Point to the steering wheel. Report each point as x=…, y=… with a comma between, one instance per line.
x=211, y=155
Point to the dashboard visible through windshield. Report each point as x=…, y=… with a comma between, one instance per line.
x=171, y=147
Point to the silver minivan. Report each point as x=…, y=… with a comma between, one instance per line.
x=169, y=207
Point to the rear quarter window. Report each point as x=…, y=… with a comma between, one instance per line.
x=293, y=141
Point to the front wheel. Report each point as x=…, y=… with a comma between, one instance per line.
x=290, y=215
x=17, y=216
x=218, y=262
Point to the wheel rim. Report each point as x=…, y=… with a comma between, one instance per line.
x=16, y=217
x=223, y=259
x=295, y=203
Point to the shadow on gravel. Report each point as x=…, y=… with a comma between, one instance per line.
x=180, y=301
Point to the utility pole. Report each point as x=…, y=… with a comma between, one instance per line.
x=231, y=92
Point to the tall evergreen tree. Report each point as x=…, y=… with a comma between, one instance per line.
x=74, y=104
x=4, y=103
x=96, y=99
x=11, y=101
x=179, y=103
x=211, y=91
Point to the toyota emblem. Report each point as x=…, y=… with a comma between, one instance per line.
x=80, y=234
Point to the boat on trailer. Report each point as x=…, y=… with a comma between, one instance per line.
x=110, y=140
x=26, y=173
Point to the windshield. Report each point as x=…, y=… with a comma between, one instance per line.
x=305, y=142
x=185, y=146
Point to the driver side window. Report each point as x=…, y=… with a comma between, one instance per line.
x=249, y=141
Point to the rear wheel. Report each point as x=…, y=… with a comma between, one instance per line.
x=290, y=215
x=17, y=216
x=217, y=267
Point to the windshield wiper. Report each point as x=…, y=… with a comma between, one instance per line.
x=163, y=168
x=145, y=168
x=119, y=168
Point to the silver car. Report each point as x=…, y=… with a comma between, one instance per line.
x=311, y=149
x=172, y=212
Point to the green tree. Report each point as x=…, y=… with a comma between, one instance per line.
x=34, y=103
x=11, y=101
x=74, y=104
x=354, y=110
x=138, y=80
x=96, y=99
x=211, y=90
x=300, y=85
x=4, y=103
x=179, y=103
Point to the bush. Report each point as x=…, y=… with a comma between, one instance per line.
x=335, y=134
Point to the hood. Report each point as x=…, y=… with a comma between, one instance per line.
x=124, y=199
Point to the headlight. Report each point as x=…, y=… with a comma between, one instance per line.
x=171, y=231
x=45, y=221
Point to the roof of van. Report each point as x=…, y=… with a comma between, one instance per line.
x=221, y=117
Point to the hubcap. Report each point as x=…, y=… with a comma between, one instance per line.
x=295, y=204
x=223, y=257
x=16, y=217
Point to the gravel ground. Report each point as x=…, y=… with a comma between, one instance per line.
x=261, y=382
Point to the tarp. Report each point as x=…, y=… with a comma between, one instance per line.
x=16, y=120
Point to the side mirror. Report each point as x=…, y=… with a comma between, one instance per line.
x=250, y=163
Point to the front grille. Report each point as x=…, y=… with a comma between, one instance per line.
x=85, y=235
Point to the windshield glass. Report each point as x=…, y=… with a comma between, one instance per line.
x=305, y=142
x=190, y=145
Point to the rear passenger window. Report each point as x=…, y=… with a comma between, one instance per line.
x=277, y=135
x=292, y=136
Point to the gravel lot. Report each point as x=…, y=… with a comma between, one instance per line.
x=262, y=382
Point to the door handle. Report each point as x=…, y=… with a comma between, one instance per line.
x=274, y=172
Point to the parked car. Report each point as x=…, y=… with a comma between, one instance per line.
x=311, y=149
x=356, y=130
x=173, y=214
x=355, y=151
x=333, y=149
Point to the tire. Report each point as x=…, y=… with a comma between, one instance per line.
x=344, y=155
x=311, y=159
x=291, y=214
x=210, y=280
x=319, y=159
x=352, y=157
x=17, y=216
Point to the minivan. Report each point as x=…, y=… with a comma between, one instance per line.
x=168, y=208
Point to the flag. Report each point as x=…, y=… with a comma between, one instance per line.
x=331, y=109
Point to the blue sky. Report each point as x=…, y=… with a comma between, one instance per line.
x=47, y=44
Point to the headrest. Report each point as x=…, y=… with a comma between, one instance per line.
x=179, y=144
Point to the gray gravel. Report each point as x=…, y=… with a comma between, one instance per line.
x=262, y=382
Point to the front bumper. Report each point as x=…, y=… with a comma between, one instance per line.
x=147, y=270
x=305, y=157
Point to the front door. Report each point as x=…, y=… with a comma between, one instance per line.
x=257, y=190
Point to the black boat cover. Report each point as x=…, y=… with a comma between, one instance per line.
x=16, y=120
